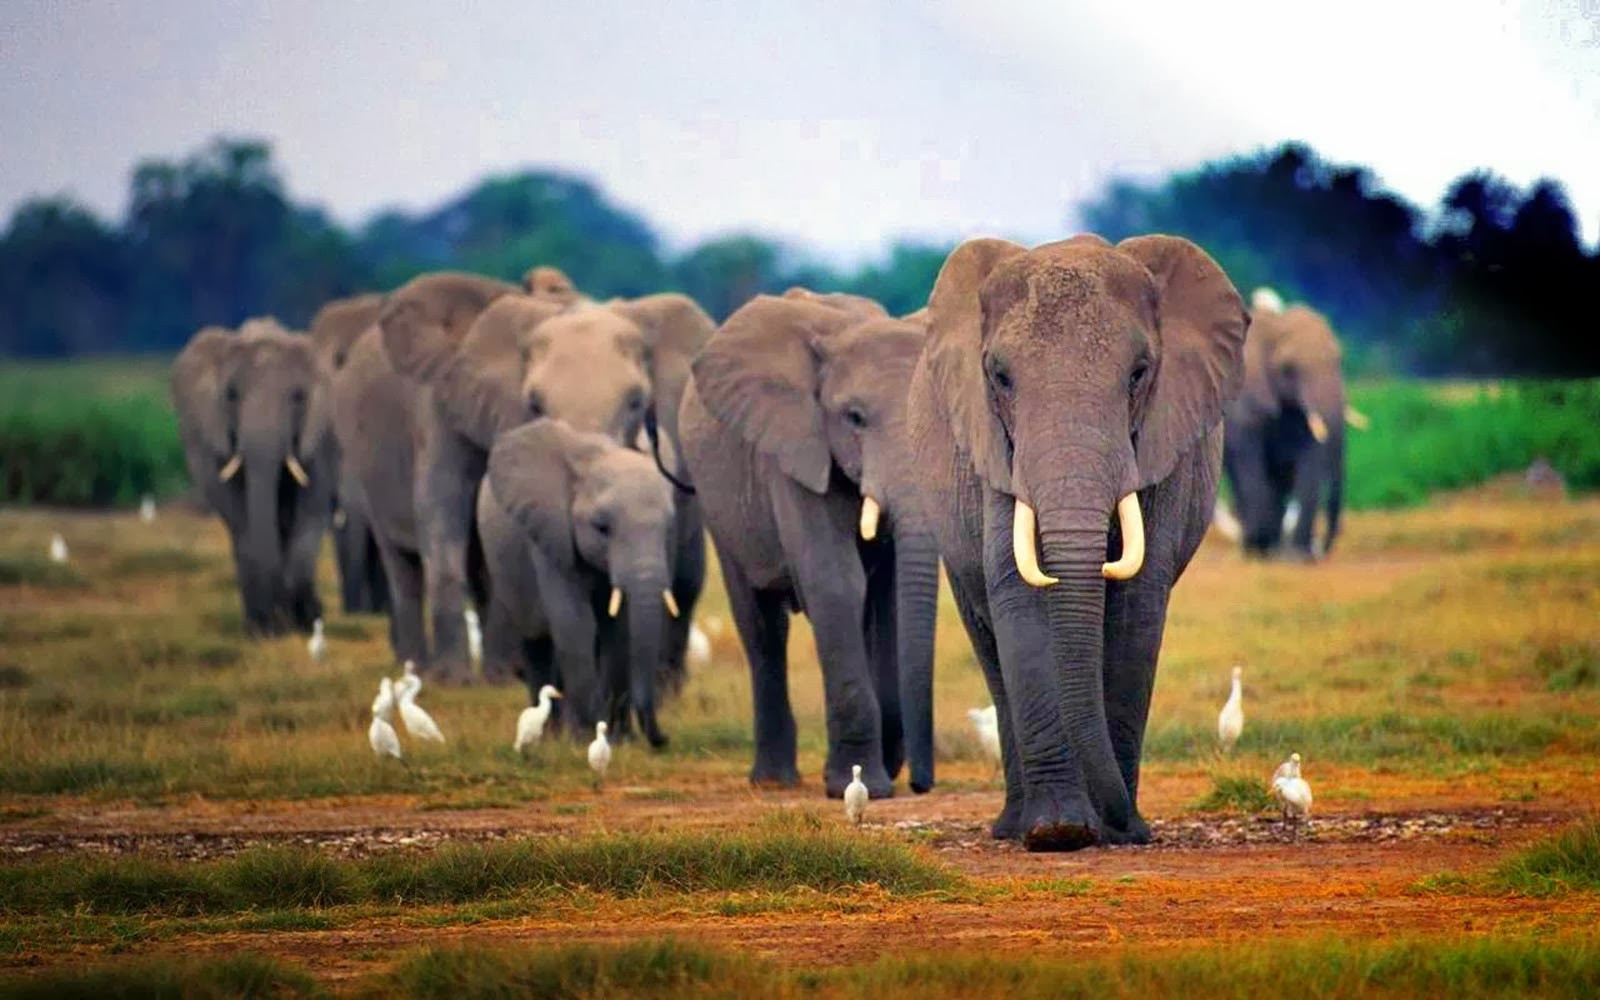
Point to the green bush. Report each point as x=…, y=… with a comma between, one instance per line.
x=89, y=434
x=1422, y=442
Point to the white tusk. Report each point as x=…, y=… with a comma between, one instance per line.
x=231, y=469
x=1023, y=523
x=1319, y=427
x=297, y=471
x=616, y=602
x=1132, y=521
x=671, y=603
x=869, y=518
x=1355, y=418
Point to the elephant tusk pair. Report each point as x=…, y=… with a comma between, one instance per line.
x=297, y=471
x=231, y=469
x=869, y=518
x=1355, y=418
x=615, y=606
x=1319, y=427
x=1024, y=523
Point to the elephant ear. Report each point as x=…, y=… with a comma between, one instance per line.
x=338, y=324
x=197, y=384
x=1256, y=393
x=1202, y=324
x=954, y=356
x=675, y=330
x=534, y=471
x=758, y=374
x=475, y=377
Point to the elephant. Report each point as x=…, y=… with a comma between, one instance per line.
x=253, y=415
x=576, y=528
x=363, y=588
x=1284, y=435
x=793, y=430
x=377, y=418
x=617, y=369
x=1059, y=384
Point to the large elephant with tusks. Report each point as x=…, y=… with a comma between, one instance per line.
x=1066, y=416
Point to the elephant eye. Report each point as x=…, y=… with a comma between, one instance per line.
x=635, y=402
x=856, y=417
x=535, y=404
x=297, y=396
x=601, y=523
x=1000, y=375
x=231, y=393
x=1140, y=372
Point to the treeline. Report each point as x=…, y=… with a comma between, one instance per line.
x=1486, y=284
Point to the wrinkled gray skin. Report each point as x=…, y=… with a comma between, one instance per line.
x=564, y=517
x=1068, y=376
x=795, y=413
x=377, y=414
x=363, y=588
x=614, y=369
x=260, y=395
x=1292, y=370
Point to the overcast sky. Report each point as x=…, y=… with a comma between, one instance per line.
x=840, y=124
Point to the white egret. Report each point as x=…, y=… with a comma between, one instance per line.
x=987, y=722
x=855, y=796
x=474, y=635
x=530, y=723
x=384, y=740
x=317, y=645
x=1230, y=721
x=58, y=549
x=599, y=753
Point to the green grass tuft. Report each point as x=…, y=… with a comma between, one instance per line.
x=243, y=975
x=33, y=571
x=1569, y=667
x=657, y=968
x=1239, y=793
x=1569, y=861
x=620, y=865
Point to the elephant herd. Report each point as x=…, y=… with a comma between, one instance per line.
x=1048, y=430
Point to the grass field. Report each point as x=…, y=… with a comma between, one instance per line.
x=187, y=810
x=183, y=811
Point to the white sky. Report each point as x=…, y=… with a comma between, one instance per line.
x=839, y=124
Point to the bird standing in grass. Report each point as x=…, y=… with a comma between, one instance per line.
x=699, y=647
x=58, y=549
x=987, y=722
x=474, y=635
x=855, y=796
x=417, y=720
x=1230, y=721
x=317, y=645
x=147, y=509
x=381, y=735
x=599, y=754
x=530, y=723
x=1292, y=792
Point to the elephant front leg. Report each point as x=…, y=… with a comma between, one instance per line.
x=1136, y=615
x=1308, y=495
x=826, y=569
x=762, y=621
x=882, y=639
x=968, y=590
x=1057, y=813
x=406, y=635
x=445, y=504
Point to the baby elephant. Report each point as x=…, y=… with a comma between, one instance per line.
x=577, y=535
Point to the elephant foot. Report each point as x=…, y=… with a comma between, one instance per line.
x=451, y=673
x=1008, y=825
x=921, y=784
x=1059, y=819
x=1137, y=833
x=768, y=775
x=837, y=775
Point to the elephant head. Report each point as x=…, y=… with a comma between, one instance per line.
x=602, y=518
x=337, y=325
x=552, y=285
x=254, y=411
x=1292, y=365
x=615, y=369
x=818, y=383
x=1076, y=375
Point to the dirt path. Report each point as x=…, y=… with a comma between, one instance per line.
x=1207, y=879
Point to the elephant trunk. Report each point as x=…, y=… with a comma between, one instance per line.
x=1072, y=538
x=261, y=568
x=647, y=608
x=916, y=611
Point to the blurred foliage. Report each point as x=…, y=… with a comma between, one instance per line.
x=1484, y=284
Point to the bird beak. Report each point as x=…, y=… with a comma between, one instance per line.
x=555, y=694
